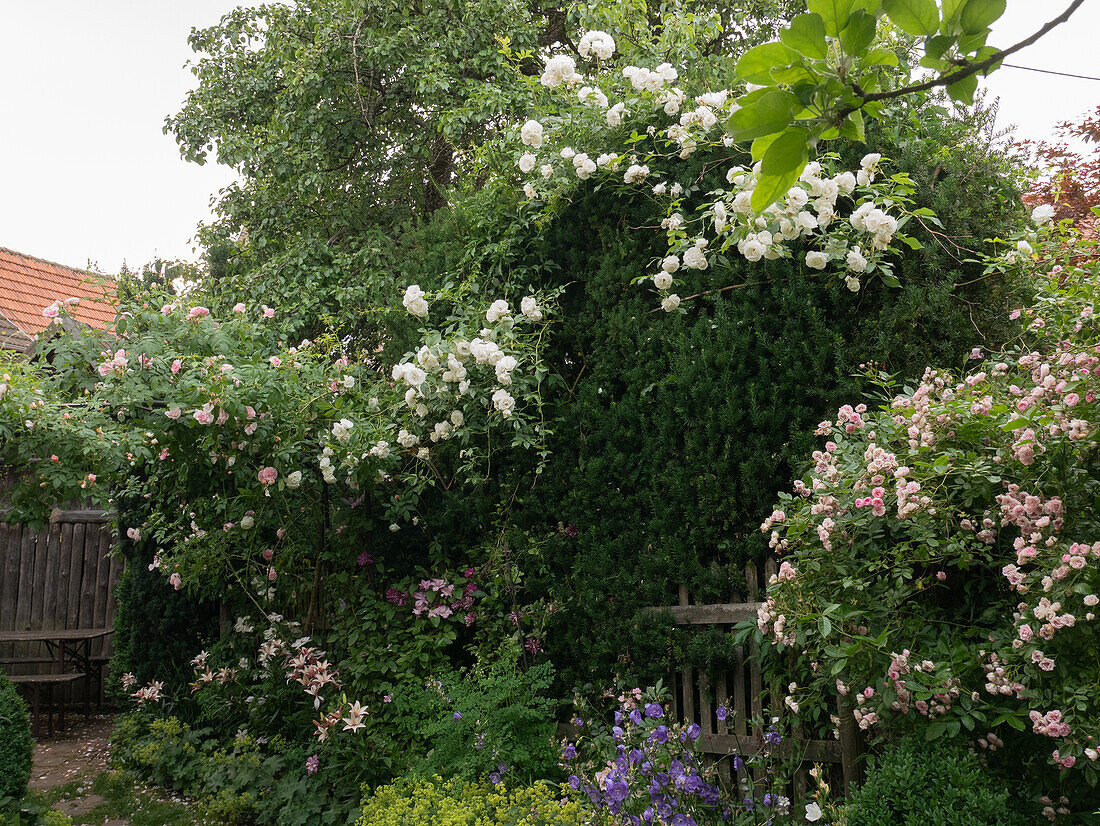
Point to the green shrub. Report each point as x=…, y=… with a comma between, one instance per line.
x=494, y=714
x=918, y=783
x=414, y=801
x=16, y=743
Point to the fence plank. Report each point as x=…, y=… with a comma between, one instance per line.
x=720, y=613
x=88, y=583
x=103, y=613
x=687, y=685
x=50, y=617
x=76, y=574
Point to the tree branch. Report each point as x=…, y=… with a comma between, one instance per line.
x=962, y=74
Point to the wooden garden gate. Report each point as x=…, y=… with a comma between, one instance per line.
x=696, y=695
x=59, y=577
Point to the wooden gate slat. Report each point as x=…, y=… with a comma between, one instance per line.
x=50, y=584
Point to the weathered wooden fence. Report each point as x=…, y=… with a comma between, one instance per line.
x=59, y=577
x=743, y=690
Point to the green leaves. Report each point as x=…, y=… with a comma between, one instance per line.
x=920, y=18
x=771, y=112
x=780, y=167
x=859, y=33
x=806, y=35
x=833, y=13
x=756, y=64
x=978, y=15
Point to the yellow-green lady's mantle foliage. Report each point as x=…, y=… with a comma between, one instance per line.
x=941, y=560
x=416, y=801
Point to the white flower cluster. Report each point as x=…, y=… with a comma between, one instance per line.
x=597, y=43
x=558, y=70
x=415, y=302
x=807, y=212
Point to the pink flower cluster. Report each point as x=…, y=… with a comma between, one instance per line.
x=114, y=363
x=1050, y=724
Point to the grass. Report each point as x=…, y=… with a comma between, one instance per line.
x=125, y=799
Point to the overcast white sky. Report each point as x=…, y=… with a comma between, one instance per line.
x=85, y=86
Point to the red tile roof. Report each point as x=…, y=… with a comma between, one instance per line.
x=28, y=285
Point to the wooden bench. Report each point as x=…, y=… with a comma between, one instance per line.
x=46, y=682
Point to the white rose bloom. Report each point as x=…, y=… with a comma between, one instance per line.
x=529, y=192
x=601, y=44
x=670, y=264
x=530, y=308
x=845, y=183
x=427, y=359
x=720, y=216
x=742, y=202
x=461, y=348
x=547, y=170
x=806, y=222
x=787, y=229
x=411, y=396
x=381, y=450
x=1042, y=214
x=865, y=178
x=504, y=369
x=558, y=70
x=503, y=401
x=615, y=114
x=859, y=217
x=666, y=72
x=531, y=134
x=348, y=382
x=583, y=166
x=797, y=198
x=676, y=190
x=457, y=418
x=1024, y=247
x=497, y=310
x=670, y=302
x=816, y=260
x=526, y=162
x=662, y=281
x=813, y=812
x=870, y=161
x=714, y=99
x=852, y=283
x=423, y=453
x=341, y=431
x=635, y=174
x=856, y=261
x=414, y=376
x=660, y=189
x=588, y=94
x=247, y=522
x=441, y=432
x=735, y=175
x=752, y=249
x=294, y=480
x=695, y=259
x=414, y=301
x=567, y=153
x=406, y=439
x=483, y=351
x=606, y=158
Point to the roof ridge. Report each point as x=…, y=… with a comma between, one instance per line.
x=13, y=322
x=56, y=264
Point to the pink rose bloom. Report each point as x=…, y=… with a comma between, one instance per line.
x=1072, y=399
x=174, y=413
x=167, y=309
x=271, y=574
x=223, y=417
x=134, y=534
x=238, y=308
x=1015, y=314
x=941, y=575
x=281, y=532
x=91, y=478
x=267, y=476
x=51, y=311
x=203, y=417
x=268, y=312
x=195, y=313
x=163, y=454
x=176, y=581
x=176, y=365
x=249, y=411
x=275, y=361
x=267, y=554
